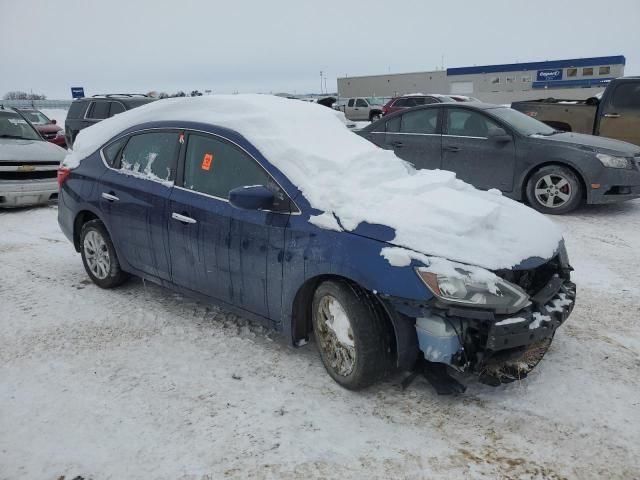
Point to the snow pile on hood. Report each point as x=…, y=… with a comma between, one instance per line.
x=348, y=177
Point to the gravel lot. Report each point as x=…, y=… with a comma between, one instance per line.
x=140, y=382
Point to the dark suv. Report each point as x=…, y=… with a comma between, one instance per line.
x=84, y=112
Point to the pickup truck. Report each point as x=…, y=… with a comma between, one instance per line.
x=616, y=114
x=361, y=108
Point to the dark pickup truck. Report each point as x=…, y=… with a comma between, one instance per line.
x=616, y=114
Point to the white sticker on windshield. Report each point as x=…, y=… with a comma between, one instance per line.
x=17, y=121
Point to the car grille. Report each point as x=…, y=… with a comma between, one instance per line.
x=534, y=279
x=28, y=170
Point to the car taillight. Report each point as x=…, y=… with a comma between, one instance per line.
x=63, y=173
x=385, y=110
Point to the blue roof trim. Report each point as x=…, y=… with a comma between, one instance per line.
x=520, y=67
x=589, y=82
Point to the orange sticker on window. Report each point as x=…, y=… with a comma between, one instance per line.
x=206, y=161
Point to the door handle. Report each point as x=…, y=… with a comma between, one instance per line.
x=451, y=149
x=183, y=218
x=397, y=144
x=110, y=197
x=612, y=115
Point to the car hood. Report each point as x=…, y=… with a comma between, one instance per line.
x=30, y=150
x=48, y=128
x=593, y=143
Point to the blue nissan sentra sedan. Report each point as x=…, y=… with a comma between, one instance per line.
x=272, y=209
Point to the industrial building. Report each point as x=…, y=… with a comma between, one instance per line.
x=572, y=79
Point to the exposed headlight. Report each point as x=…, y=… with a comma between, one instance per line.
x=470, y=289
x=613, y=162
x=60, y=133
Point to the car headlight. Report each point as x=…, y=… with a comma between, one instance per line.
x=474, y=288
x=612, y=161
x=60, y=133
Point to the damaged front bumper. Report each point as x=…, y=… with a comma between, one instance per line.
x=498, y=348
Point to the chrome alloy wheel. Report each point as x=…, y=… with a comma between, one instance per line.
x=553, y=191
x=336, y=336
x=97, y=254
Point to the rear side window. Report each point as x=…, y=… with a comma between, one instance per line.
x=98, y=110
x=152, y=155
x=111, y=151
x=401, y=102
x=468, y=123
x=77, y=109
x=215, y=167
x=627, y=95
x=350, y=104
x=116, y=107
x=420, y=121
x=393, y=125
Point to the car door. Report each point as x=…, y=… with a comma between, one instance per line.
x=134, y=197
x=621, y=115
x=216, y=249
x=361, y=110
x=468, y=151
x=349, y=110
x=415, y=137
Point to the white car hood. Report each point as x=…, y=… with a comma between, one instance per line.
x=15, y=150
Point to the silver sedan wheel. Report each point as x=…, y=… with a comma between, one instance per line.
x=553, y=190
x=339, y=352
x=97, y=254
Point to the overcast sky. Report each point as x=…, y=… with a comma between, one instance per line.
x=281, y=46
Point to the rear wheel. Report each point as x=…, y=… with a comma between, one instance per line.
x=375, y=116
x=99, y=256
x=352, y=335
x=555, y=190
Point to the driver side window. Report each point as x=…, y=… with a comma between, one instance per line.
x=468, y=123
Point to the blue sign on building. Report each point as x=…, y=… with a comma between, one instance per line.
x=549, y=75
x=77, y=92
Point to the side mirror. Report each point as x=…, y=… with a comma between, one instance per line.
x=53, y=120
x=499, y=135
x=255, y=197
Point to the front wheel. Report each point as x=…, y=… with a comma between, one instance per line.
x=554, y=190
x=99, y=256
x=352, y=335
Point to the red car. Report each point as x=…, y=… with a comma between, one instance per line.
x=45, y=126
x=414, y=100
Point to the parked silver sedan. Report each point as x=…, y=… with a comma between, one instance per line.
x=28, y=163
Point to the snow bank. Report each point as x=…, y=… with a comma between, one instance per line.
x=343, y=174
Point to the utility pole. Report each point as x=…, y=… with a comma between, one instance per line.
x=320, y=81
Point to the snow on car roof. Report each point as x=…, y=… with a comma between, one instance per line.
x=346, y=176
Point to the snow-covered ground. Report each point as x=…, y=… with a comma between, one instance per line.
x=140, y=382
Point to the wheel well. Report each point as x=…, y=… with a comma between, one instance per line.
x=554, y=164
x=301, y=324
x=83, y=217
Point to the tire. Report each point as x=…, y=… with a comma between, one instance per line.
x=368, y=358
x=102, y=267
x=554, y=190
x=375, y=116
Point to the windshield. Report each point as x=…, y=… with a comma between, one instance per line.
x=521, y=122
x=375, y=101
x=37, y=118
x=13, y=125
